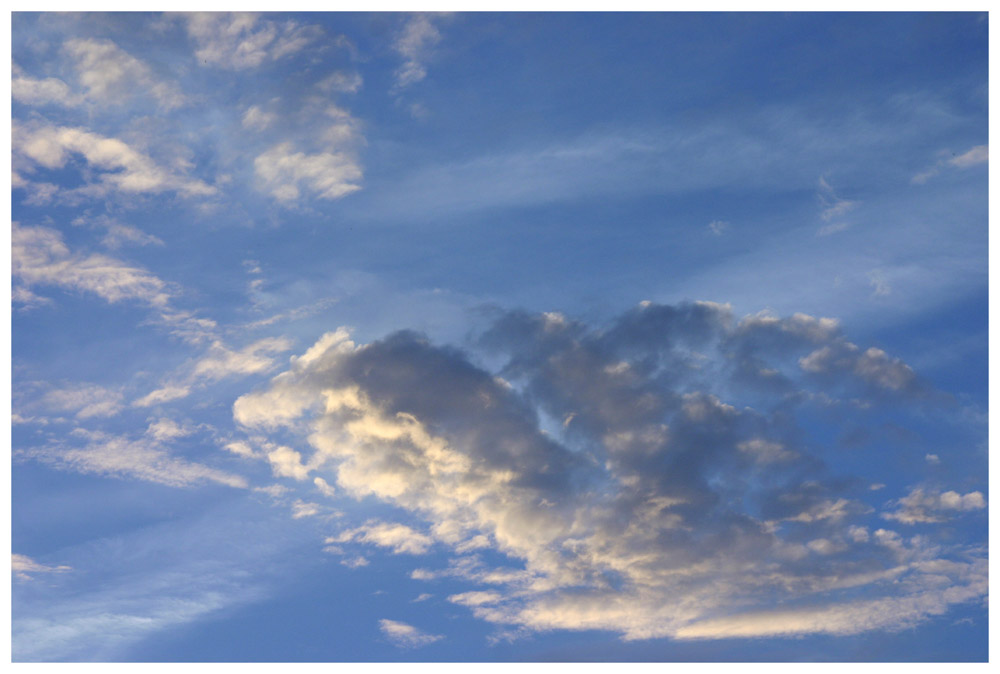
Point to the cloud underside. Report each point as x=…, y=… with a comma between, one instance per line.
x=648, y=478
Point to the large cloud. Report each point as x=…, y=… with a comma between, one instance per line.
x=650, y=478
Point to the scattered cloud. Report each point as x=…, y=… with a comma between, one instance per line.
x=111, y=76
x=977, y=155
x=257, y=119
x=23, y=567
x=718, y=227
x=973, y=157
x=39, y=256
x=31, y=91
x=85, y=401
x=406, y=636
x=222, y=362
x=832, y=208
x=120, y=235
x=144, y=458
x=414, y=43
x=116, y=166
x=923, y=506
x=237, y=41
x=341, y=82
x=327, y=174
x=162, y=395
x=880, y=287
x=400, y=538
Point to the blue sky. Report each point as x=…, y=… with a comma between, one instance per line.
x=492, y=337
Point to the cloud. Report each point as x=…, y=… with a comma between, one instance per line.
x=257, y=119
x=145, y=458
x=406, y=636
x=85, y=400
x=920, y=506
x=116, y=166
x=283, y=173
x=39, y=256
x=254, y=358
x=414, y=44
x=31, y=91
x=23, y=567
x=398, y=537
x=120, y=235
x=111, y=75
x=880, y=287
x=832, y=208
x=162, y=395
x=286, y=462
x=977, y=155
x=972, y=157
x=683, y=493
x=341, y=81
x=238, y=41
x=718, y=227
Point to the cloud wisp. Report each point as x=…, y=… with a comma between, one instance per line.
x=651, y=478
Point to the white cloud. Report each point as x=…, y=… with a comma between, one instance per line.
x=31, y=91
x=832, y=208
x=341, y=81
x=302, y=509
x=328, y=175
x=977, y=155
x=920, y=506
x=240, y=40
x=765, y=452
x=162, y=395
x=144, y=458
x=286, y=462
x=718, y=227
x=972, y=157
x=252, y=359
x=23, y=567
x=406, y=636
x=932, y=459
x=475, y=598
x=324, y=487
x=414, y=44
x=118, y=166
x=257, y=119
x=85, y=400
x=111, y=75
x=399, y=537
x=163, y=430
x=40, y=257
x=119, y=235
x=27, y=299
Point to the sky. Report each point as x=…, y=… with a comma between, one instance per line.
x=348, y=337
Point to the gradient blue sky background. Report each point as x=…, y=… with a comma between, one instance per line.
x=501, y=337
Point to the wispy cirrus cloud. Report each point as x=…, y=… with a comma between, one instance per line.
x=40, y=257
x=239, y=40
x=406, y=636
x=980, y=154
x=117, y=167
x=24, y=567
x=143, y=457
x=110, y=75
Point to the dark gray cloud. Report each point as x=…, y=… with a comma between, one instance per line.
x=656, y=477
